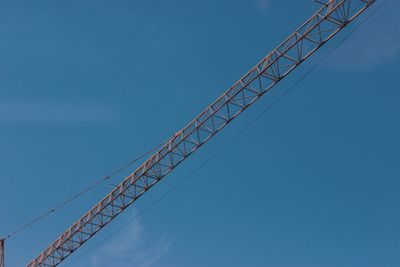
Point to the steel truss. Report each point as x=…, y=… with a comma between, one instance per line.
x=322, y=26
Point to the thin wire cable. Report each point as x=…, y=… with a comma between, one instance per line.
x=79, y=194
x=234, y=138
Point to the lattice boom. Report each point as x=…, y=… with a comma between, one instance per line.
x=317, y=30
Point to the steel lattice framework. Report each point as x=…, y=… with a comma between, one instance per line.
x=322, y=26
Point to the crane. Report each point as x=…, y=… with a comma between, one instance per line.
x=331, y=18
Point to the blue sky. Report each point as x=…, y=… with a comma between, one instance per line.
x=87, y=85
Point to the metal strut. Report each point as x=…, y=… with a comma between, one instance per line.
x=317, y=30
x=1, y=252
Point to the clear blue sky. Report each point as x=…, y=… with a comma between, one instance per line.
x=86, y=85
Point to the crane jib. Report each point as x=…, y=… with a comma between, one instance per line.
x=316, y=31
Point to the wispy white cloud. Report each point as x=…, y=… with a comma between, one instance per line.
x=19, y=112
x=131, y=247
x=262, y=5
x=376, y=43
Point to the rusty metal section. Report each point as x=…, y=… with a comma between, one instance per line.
x=316, y=31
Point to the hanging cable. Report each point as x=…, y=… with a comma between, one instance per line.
x=79, y=194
